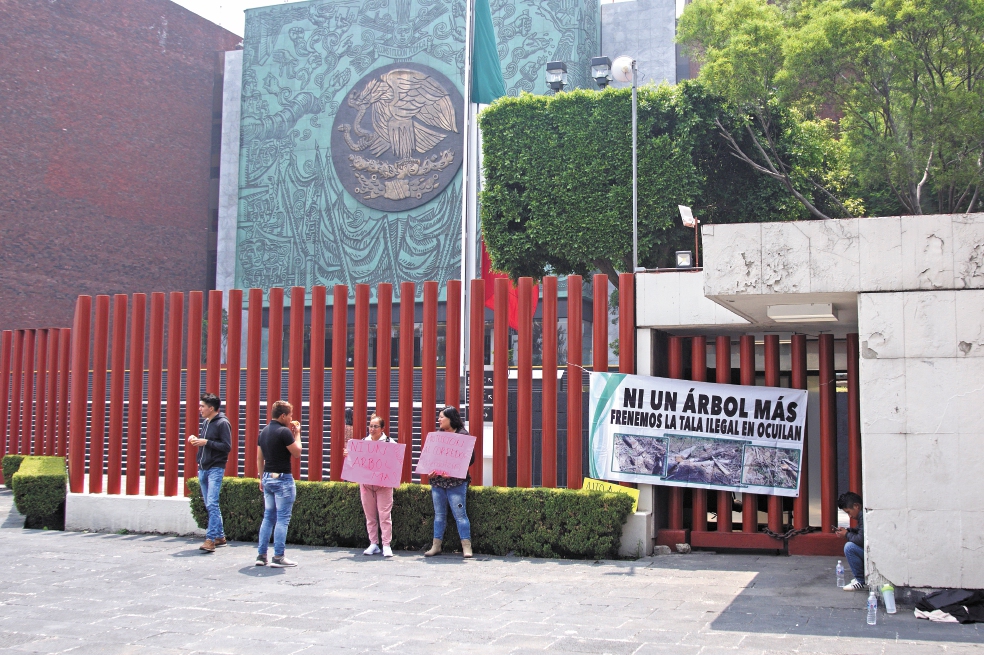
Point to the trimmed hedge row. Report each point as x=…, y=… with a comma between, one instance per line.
x=528, y=522
x=10, y=464
x=40, y=488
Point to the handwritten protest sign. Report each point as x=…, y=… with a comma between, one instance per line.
x=374, y=462
x=590, y=484
x=446, y=453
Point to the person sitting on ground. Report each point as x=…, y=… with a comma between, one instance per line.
x=377, y=500
x=850, y=502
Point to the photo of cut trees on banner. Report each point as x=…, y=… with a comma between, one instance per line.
x=696, y=434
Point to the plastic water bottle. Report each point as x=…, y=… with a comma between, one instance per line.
x=872, y=607
x=888, y=596
x=840, y=574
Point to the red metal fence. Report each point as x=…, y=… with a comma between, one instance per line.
x=139, y=417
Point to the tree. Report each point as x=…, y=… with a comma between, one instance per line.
x=557, y=194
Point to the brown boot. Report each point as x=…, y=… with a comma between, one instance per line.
x=466, y=550
x=208, y=546
x=435, y=549
x=221, y=541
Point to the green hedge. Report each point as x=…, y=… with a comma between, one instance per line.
x=10, y=465
x=528, y=522
x=40, y=487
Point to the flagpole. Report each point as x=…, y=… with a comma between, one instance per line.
x=467, y=180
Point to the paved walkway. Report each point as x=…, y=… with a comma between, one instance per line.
x=142, y=594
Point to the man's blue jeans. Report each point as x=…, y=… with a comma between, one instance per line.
x=211, y=482
x=278, y=501
x=855, y=557
x=455, y=497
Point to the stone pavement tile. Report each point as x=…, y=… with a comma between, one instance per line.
x=582, y=631
x=233, y=646
x=838, y=646
x=523, y=641
x=391, y=618
x=568, y=644
x=48, y=645
x=649, y=648
x=9, y=639
x=780, y=642
x=716, y=638
x=528, y=627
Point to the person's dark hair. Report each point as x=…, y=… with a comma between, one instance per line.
x=848, y=499
x=377, y=417
x=452, y=414
x=348, y=416
x=211, y=400
x=280, y=408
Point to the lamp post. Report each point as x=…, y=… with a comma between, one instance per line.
x=624, y=69
x=556, y=75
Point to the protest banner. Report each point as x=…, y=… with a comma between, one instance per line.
x=446, y=453
x=696, y=434
x=374, y=462
x=590, y=484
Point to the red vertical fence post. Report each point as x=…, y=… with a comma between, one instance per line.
x=524, y=414
x=15, y=395
x=853, y=416
x=626, y=323
x=173, y=439
x=746, y=367
x=772, y=380
x=405, y=415
x=51, y=421
x=675, y=370
x=599, y=329
x=360, y=365
x=41, y=391
x=193, y=384
x=114, y=461
x=5, y=343
x=722, y=372
x=213, y=343
x=476, y=378
x=698, y=497
x=155, y=373
x=549, y=384
x=452, y=346
x=801, y=504
x=500, y=384
x=316, y=390
x=134, y=431
x=65, y=368
x=97, y=430
x=574, y=332
x=828, y=433
x=428, y=366
x=80, y=388
x=384, y=351
x=254, y=338
x=27, y=428
x=234, y=342
x=339, y=353
x=275, y=348
x=295, y=368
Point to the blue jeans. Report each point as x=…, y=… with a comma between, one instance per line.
x=278, y=501
x=211, y=482
x=855, y=557
x=455, y=496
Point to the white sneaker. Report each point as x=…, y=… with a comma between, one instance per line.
x=854, y=585
x=387, y=551
x=281, y=562
x=371, y=550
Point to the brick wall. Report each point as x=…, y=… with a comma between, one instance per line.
x=106, y=141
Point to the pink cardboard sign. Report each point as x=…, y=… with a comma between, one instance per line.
x=446, y=453
x=374, y=462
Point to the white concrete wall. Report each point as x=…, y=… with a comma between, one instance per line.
x=225, y=256
x=676, y=298
x=922, y=424
x=105, y=513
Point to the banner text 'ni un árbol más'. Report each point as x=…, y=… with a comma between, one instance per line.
x=696, y=434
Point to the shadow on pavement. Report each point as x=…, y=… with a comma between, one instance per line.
x=254, y=571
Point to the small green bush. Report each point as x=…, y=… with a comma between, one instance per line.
x=527, y=522
x=40, y=487
x=10, y=464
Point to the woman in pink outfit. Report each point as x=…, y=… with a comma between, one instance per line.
x=377, y=501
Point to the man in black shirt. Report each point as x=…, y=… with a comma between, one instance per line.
x=276, y=445
x=214, y=443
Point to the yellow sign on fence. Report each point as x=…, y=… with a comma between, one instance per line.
x=590, y=484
